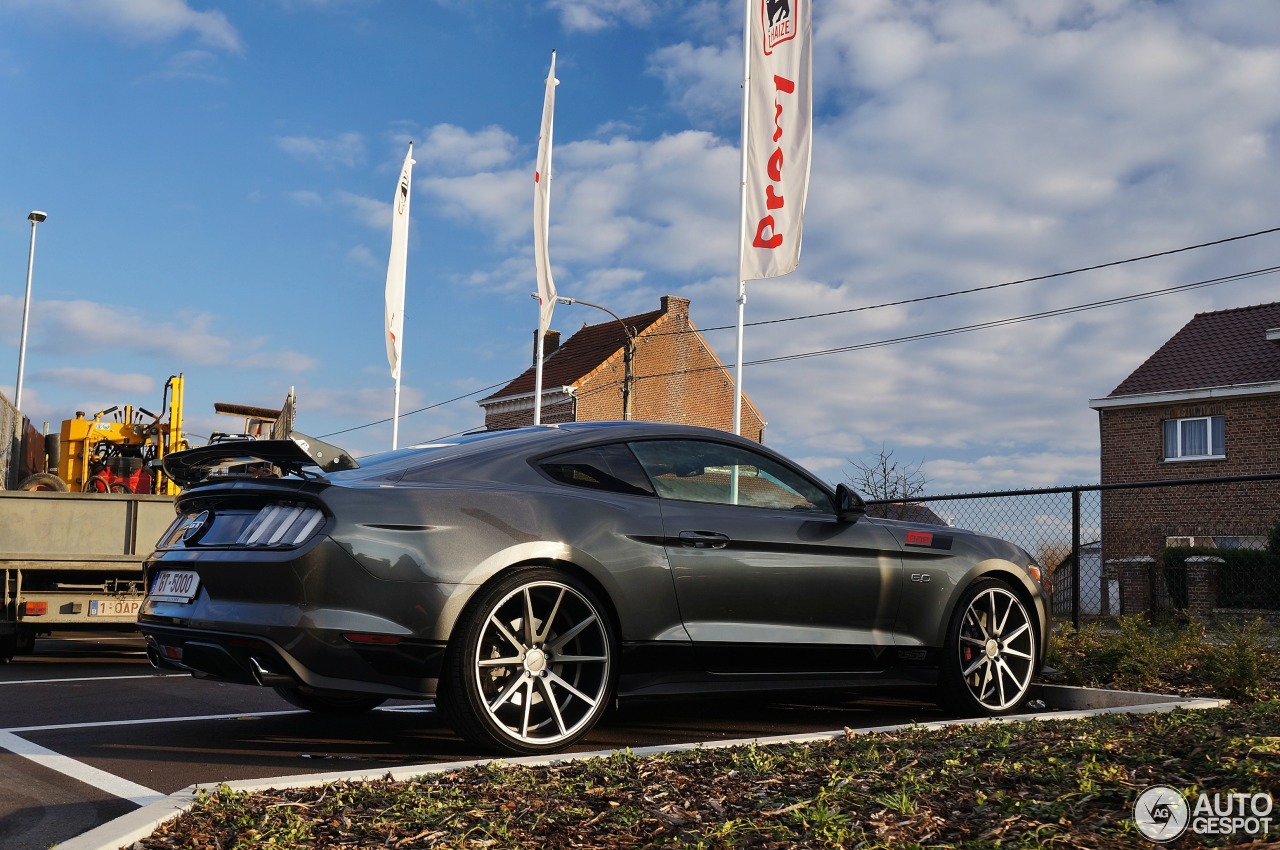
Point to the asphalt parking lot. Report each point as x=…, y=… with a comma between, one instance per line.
x=89, y=732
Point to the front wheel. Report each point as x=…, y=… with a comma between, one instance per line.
x=531, y=665
x=990, y=655
x=328, y=702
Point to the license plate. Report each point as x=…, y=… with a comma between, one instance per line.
x=114, y=607
x=175, y=586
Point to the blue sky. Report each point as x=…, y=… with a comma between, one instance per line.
x=218, y=180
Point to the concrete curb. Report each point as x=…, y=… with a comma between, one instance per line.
x=1063, y=703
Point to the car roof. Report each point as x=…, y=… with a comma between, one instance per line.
x=530, y=441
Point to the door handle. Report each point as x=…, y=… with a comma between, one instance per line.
x=703, y=540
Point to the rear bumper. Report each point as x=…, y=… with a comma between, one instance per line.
x=410, y=668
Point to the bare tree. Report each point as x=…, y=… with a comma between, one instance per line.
x=889, y=479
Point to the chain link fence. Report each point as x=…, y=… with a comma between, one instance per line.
x=1209, y=546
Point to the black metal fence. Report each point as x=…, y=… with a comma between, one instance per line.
x=1207, y=546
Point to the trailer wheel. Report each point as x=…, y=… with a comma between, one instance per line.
x=43, y=481
x=97, y=484
x=8, y=648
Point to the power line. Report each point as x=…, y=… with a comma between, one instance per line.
x=419, y=410
x=1012, y=320
x=923, y=298
x=989, y=287
x=1045, y=314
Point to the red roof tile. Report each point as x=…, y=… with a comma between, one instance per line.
x=1219, y=349
x=579, y=355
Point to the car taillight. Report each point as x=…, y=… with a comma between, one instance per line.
x=281, y=525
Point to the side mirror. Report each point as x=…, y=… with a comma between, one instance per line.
x=849, y=505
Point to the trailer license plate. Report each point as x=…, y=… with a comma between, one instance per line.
x=114, y=607
x=175, y=586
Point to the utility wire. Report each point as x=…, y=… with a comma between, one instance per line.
x=1045, y=314
x=989, y=287
x=419, y=410
x=917, y=300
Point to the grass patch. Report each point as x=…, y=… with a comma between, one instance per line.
x=1237, y=662
x=1038, y=784
x=1064, y=784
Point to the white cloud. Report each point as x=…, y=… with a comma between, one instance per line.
x=95, y=380
x=957, y=145
x=191, y=65
x=180, y=337
x=451, y=149
x=697, y=79
x=595, y=15
x=371, y=213
x=345, y=150
x=620, y=201
x=140, y=20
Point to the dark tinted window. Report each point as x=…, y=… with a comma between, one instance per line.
x=610, y=467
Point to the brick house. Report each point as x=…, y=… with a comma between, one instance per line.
x=1205, y=405
x=676, y=377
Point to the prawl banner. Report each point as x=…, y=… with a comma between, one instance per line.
x=778, y=137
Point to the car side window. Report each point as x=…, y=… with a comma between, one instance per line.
x=612, y=468
x=698, y=471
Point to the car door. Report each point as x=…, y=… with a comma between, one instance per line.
x=767, y=579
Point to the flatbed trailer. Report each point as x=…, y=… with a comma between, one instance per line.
x=73, y=561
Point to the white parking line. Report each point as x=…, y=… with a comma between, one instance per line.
x=100, y=779
x=92, y=679
x=59, y=727
x=100, y=724
x=112, y=784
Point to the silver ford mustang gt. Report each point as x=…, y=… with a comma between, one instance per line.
x=527, y=579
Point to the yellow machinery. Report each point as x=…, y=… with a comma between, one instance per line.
x=114, y=455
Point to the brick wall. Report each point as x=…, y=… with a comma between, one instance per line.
x=677, y=378
x=1132, y=442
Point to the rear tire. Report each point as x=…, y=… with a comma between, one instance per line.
x=45, y=482
x=331, y=703
x=989, y=658
x=531, y=664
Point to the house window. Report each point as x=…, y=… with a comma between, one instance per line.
x=1197, y=438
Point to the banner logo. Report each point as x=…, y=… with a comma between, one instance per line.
x=779, y=22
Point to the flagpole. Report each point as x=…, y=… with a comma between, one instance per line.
x=742, y=214
x=394, y=311
x=541, y=228
x=395, y=416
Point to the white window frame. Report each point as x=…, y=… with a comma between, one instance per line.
x=1215, y=431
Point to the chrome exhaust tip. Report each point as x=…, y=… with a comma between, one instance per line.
x=265, y=677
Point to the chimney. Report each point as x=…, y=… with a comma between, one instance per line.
x=550, y=342
x=677, y=308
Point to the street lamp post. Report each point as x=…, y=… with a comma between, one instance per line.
x=35, y=217
x=628, y=353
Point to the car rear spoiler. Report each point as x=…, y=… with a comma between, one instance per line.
x=192, y=466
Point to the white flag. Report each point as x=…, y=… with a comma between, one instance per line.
x=542, y=204
x=396, y=265
x=778, y=136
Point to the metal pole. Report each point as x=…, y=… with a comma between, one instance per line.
x=35, y=217
x=1075, y=558
x=628, y=350
x=742, y=220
